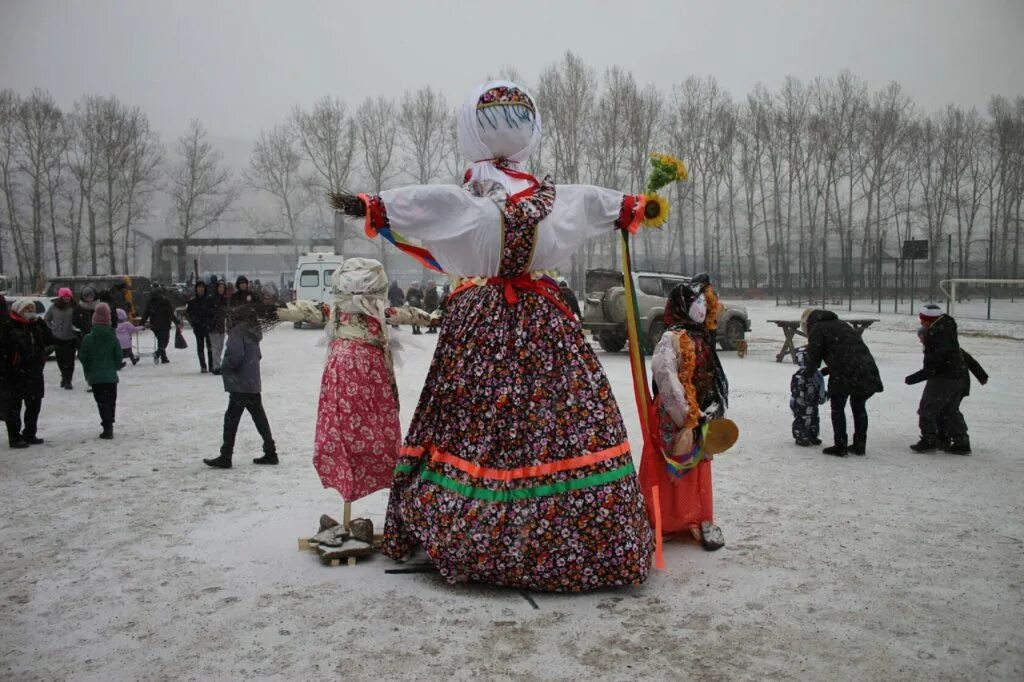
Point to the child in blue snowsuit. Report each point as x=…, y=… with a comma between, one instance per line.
x=806, y=393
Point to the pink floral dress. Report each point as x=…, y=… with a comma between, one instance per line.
x=358, y=434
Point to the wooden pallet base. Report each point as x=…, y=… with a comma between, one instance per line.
x=308, y=545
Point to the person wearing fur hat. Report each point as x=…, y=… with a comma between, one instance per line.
x=853, y=376
x=944, y=372
x=25, y=343
x=691, y=389
x=61, y=317
x=101, y=358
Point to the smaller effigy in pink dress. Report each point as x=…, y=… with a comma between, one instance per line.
x=358, y=434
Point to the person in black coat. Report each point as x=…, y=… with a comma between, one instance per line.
x=396, y=297
x=199, y=311
x=5, y=327
x=242, y=294
x=414, y=297
x=570, y=298
x=946, y=373
x=220, y=303
x=430, y=302
x=853, y=376
x=24, y=339
x=160, y=316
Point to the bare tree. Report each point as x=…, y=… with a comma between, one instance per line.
x=327, y=137
x=9, y=105
x=139, y=175
x=201, y=189
x=425, y=123
x=378, y=132
x=274, y=169
x=41, y=142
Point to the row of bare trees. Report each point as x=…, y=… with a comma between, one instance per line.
x=807, y=188
x=74, y=186
x=810, y=187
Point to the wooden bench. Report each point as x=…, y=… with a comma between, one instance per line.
x=792, y=327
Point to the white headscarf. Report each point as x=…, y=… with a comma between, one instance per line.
x=360, y=285
x=484, y=138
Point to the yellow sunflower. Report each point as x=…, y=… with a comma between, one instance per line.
x=655, y=210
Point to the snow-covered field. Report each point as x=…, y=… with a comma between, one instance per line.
x=132, y=560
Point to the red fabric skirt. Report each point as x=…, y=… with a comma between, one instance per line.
x=358, y=434
x=684, y=502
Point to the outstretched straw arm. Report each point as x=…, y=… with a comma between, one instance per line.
x=349, y=204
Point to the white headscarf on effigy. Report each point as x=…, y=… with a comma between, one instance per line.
x=360, y=285
x=503, y=130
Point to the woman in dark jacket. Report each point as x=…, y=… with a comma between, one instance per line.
x=200, y=311
x=160, y=316
x=853, y=376
x=430, y=303
x=25, y=340
x=220, y=301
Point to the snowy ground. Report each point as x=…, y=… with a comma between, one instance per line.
x=132, y=560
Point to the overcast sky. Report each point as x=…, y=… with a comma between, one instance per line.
x=240, y=66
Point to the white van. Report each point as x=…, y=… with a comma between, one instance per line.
x=313, y=277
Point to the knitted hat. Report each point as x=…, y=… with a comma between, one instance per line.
x=64, y=292
x=24, y=307
x=122, y=316
x=102, y=314
x=930, y=312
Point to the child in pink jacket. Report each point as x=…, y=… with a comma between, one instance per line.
x=125, y=331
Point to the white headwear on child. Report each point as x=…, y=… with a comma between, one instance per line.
x=497, y=131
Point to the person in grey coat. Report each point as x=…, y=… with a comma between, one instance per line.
x=60, y=317
x=240, y=370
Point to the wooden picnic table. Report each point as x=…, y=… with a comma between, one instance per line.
x=792, y=327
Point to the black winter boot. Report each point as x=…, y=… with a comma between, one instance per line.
x=925, y=445
x=859, y=445
x=960, y=446
x=837, y=450
x=108, y=433
x=32, y=440
x=18, y=445
x=222, y=462
x=269, y=458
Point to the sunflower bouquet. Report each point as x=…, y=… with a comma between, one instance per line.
x=665, y=169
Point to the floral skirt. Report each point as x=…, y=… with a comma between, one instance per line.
x=358, y=434
x=516, y=469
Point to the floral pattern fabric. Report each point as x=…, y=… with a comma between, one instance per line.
x=516, y=469
x=358, y=434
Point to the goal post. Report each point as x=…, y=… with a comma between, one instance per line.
x=951, y=291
